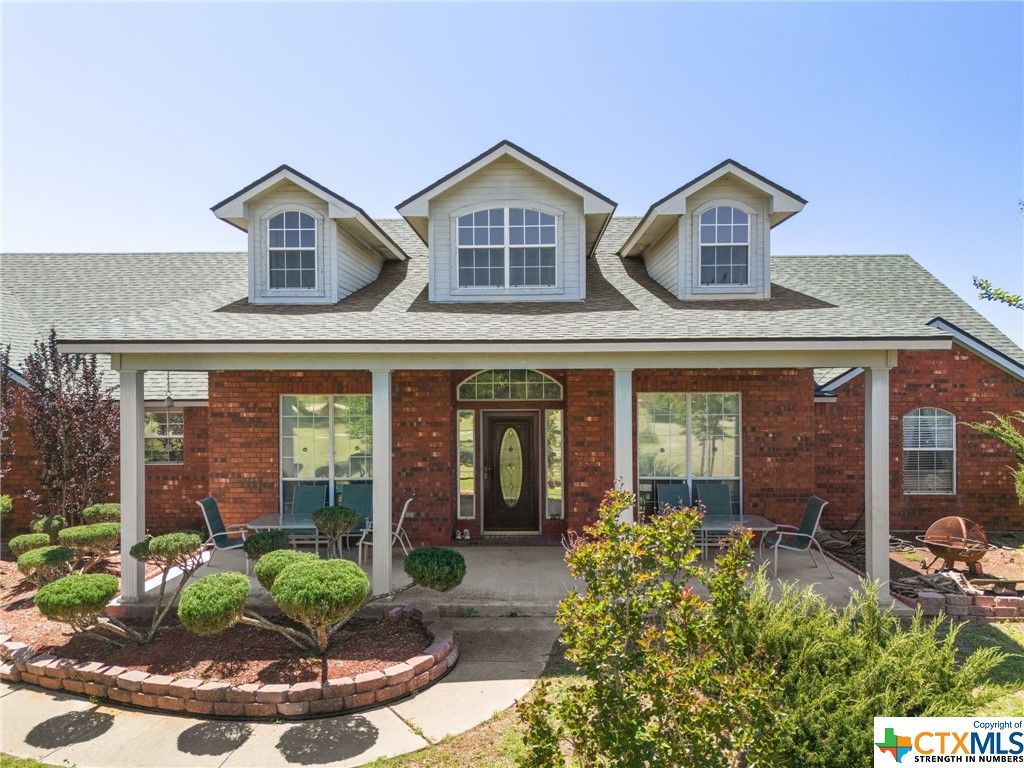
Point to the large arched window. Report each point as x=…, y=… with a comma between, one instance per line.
x=507, y=247
x=505, y=384
x=929, y=451
x=724, y=246
x=291, y=238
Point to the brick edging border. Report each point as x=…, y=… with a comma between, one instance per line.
x=21, y=663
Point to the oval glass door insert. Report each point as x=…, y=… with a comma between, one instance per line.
x=510, y=467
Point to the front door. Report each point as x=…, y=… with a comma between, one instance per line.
x=511, y=472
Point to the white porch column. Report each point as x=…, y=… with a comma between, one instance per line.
x=876, y=476
x=624, y=432
x=381, y=557
x=133, y=482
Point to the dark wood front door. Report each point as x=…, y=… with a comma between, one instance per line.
x=511, y=472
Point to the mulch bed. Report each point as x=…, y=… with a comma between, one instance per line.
x=239, y=655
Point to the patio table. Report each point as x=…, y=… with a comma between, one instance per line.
x=721, y=524
x=295, y=525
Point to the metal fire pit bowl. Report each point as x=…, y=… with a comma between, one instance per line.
x=956, y=538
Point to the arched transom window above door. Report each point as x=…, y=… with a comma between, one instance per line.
x=510, y=384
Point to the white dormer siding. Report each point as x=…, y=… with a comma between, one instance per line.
x=662, y=260
x=357, y=265
x=507, y=183
x=727, y=191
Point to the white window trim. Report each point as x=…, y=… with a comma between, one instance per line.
x=166, y=437
x=331, y=480
x=751, y=285
x=690, y=478
x=318, y=288
x=905, y=451
x=506, y=290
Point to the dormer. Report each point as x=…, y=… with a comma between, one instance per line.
x=307, y=245
x=507, y=226
x=711, y=238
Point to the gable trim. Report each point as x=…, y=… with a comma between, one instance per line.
x=978, y=346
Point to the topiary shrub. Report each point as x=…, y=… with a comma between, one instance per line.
x=51, y=525
x=180, y=550
x=91, y=543
x=27, y=542
x=214, y=603
x=320, y=594
x=259, y=544
x=46, y=564
x=435, y=568
x=102, y=513
x=272, y=563
x=334, y=523
x=77, y=599
x=6, y=505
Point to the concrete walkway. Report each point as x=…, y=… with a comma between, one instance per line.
x=499, y=662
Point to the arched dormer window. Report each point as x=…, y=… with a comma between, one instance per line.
x=929, y=451
x=292, y=242
x=724, y=246
x=506, y=384
x=507, y=247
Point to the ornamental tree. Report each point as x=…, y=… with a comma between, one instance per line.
x=73, y=419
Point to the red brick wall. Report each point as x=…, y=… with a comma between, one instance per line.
x=589, y=443
x=955, y=380
x=777, y=423
x=171, y=489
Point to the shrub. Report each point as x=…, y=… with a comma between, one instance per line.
x=6, y=505
x=214, y=603
x=91, y=541
x=21, y=544
x=102, y=513
x=46, y=564
x=334, y=523
x=258, y=544
x=840, y=669
x=77, y=599
x=51, y=525
x=272, y=563
x=436, y=568
x=168, y=550
x=320, y=594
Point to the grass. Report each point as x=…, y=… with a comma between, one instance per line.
x=6, y=761
x=1008, y=637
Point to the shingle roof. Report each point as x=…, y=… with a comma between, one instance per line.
x=202, y=297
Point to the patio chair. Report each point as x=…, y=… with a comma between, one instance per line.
x=798, y=539
x=717, y=501
x=221, y=536
x=675, y=494
x=398, y=533
x=308, y=499
x=359, y=498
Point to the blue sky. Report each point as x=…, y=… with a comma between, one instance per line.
x=902, y=124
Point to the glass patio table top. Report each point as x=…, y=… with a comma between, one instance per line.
x=728, y=522
x=280, y=522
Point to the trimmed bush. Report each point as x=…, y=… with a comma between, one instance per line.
x=436, y=568
x=168, y=549
x=27, y=542
x=46, y=564
x=6, y=505
x=51, y=525
x=319, y=594
x=259, y=544
x=214, y=603
x=102, y=513
x=335, y=522
x=77, y=599
x=94, y=540
x=272, y=563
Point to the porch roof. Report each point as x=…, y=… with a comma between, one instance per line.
x=104, y=303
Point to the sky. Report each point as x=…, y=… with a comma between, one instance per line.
x=901, y=124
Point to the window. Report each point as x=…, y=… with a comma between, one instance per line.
x=929, y=452
x=325, y=440
x=467, y=465
x=688, y=437
x=165, y=437
x=292, y=250
x=510, y=385
x=507, y=247
x=554, y=458
x=724, y=246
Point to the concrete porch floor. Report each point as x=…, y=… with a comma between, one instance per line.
x=530, y=581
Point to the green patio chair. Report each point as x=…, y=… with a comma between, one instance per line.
x=675, y=493
x=221, y=536
x=308, y=499
x=717, y=500
x=798, y=539
x=359, y=498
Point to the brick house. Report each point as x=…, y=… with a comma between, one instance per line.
x=508, y=350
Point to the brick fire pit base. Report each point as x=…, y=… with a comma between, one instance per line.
x=981, y=608
x=252, y=700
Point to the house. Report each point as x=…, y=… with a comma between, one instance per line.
x=509, y=349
